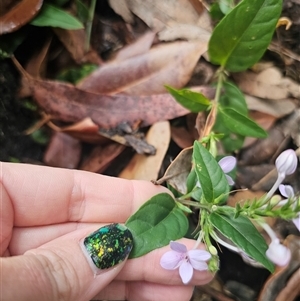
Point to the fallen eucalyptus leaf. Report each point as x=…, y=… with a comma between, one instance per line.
x=268, y=84
x=70, y=104
x=146, y=74
x=101, y=157
x=63, y=151
x=19, y=15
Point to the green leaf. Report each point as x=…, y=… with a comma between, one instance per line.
x=209, y=173
x=243, y=35
x=155, y=224
x=243, y=234
x=231, y=98
x=240, y=124
x=191, y=100
x=53, y=16
x=82, y=11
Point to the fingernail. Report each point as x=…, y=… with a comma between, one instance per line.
x=109, y=245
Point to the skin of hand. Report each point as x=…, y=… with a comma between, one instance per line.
x=45, y=213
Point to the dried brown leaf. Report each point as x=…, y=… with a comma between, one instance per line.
x=101, y=157
x=177, y=172
x=19, y=15
x=68, y=103
x=276, y=108
x=146, y=74
x=63, y=151
x=269, y=84
x=85, y=130
x=163, y=15
x=181, y=136
x=140, y=46
x=142, y=167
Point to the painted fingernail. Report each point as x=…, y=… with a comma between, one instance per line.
x=109, y=245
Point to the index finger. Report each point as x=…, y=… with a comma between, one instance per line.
x=43, y=195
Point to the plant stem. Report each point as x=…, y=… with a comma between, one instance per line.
x=89, y=25
x=211, y=118
x=194, y=204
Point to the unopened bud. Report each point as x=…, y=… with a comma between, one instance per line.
x=278, y=253
x=212, y=250
x=286, y=163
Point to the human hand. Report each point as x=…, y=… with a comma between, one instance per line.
x=45, y=214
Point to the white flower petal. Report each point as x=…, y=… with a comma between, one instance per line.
x=171, y=260
x=186, y=272
x=227, y=163
x=296, y=221
x=229, y=180
x=286, y=190
x=278, y=253
x=178, y=247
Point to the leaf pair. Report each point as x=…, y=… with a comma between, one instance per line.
x=240, y=229
x=232, y=110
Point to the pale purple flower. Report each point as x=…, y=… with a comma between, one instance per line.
x=186, y=261
x=286, y=163
x=228, y=164
x=288, y=192
x=278, y=253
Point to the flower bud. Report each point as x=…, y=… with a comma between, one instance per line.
x=278, y=253
x=286, y=162
x=212, y=250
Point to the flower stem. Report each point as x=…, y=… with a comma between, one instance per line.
x=279, y=180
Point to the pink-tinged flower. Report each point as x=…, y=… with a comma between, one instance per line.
x=286, y=163
x=278, y=253
x=288, y=192
x=185, y=260
x=228, y=164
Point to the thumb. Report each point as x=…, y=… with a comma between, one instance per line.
x=67, y=268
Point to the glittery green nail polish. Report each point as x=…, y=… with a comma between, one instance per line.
x=109, y=245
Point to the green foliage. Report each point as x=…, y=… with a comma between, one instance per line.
x=75, y=74
x=156, y=222
x=82, y=11
x=53, y=16
x=40, y=136
x=210, y=175
x=194, y=101
x=240, y=124
x=242, y=36
x=243, y=234
x=233, y=98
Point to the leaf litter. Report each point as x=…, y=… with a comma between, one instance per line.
x=129, y=89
